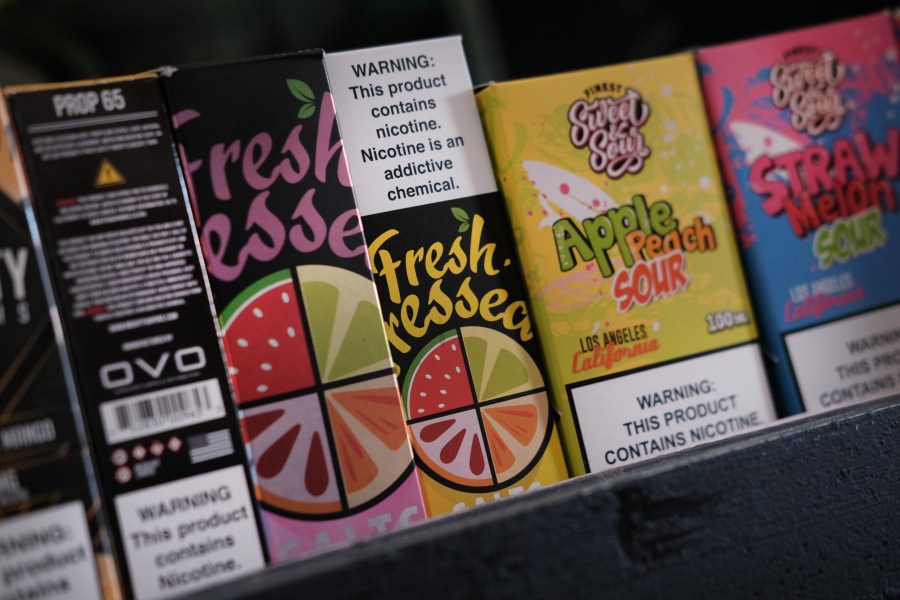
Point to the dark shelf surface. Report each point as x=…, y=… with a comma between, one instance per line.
x=805, y=509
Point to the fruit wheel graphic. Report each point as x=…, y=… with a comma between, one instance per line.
x=478, y=410
x=313, y=379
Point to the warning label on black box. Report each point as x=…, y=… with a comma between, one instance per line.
x=47, y=554
x=124, y=262
x=188, y=534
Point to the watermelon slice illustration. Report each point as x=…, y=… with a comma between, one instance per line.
x=477, y=409
x=265, y=340
x=325, y=426
x=439, y=381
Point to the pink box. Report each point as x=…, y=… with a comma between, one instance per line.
x=807, y=125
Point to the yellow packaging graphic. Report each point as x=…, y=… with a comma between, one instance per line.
x=629, y=258
x=452, y=300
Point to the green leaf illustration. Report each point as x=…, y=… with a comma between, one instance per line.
x=463, y=227
x=300, y=90
x=306, y=111
x=460, y=215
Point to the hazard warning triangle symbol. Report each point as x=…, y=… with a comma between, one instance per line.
x=108, y=175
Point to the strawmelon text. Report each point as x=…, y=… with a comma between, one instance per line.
x=839, y=195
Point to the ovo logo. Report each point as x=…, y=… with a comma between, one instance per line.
x=121, y=373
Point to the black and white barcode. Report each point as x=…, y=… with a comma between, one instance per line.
x=136, y=416
x=164, y=407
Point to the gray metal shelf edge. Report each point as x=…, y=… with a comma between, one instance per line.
x=808, y=508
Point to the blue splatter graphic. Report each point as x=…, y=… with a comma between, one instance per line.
x=727, y=105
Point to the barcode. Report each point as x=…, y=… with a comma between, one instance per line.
x=163, y=410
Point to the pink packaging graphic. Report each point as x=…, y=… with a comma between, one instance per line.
x=307, y=354
x=295, y=538
x=807, y=125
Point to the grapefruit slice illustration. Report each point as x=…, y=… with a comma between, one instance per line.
x=291, y=456
x=452, y=446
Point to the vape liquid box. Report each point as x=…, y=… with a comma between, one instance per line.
x=107, y=199
x=54, y=539
x=309, y=362
x=610, y=178
x=807, y=125
x=453, y=304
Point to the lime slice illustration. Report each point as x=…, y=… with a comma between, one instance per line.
x=345, y=323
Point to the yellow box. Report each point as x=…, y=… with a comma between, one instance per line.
x=629, y=256
x=452, y=299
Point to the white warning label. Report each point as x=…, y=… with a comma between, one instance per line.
x=660, y=410
x=847, y=361
x=189, y=534
x=47, y=554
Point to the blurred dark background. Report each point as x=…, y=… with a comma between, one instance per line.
x=57, y=40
